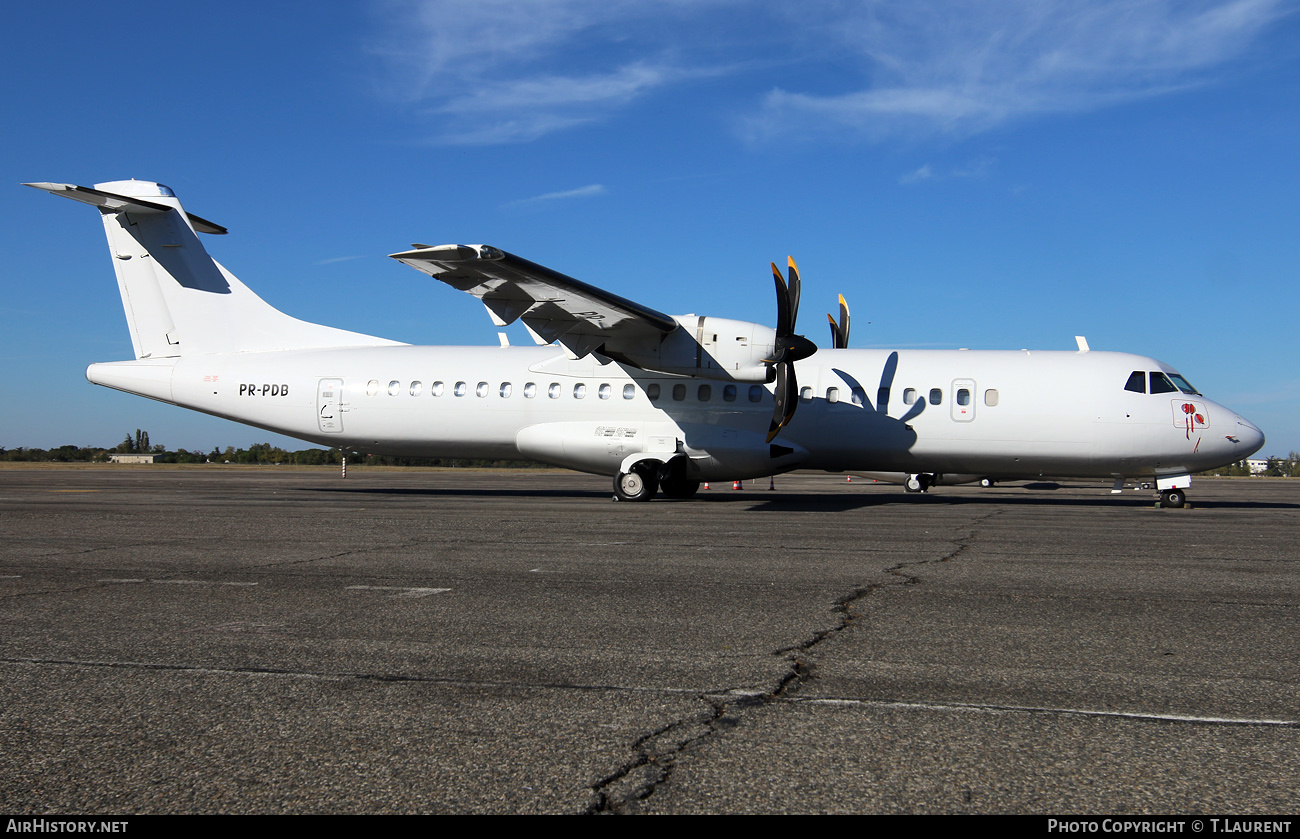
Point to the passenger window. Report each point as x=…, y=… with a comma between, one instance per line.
x=832, y=394
x=436, y=389
x=629, y=391
x=604, y=391
x=459, y=389
x=482, y=390
x=554, y=390
x=755, y=393
x=579, y=390
x=991, y=397
x=416, y=388
x=909, y=395
x=729, y=393
x=652, y=392
x=936, y=396
x=859, y=396
x=394, y=388
x=505, y=390
x=1161, y=384
x=805, y=394
x=963, y=396
x=679, y=392
x=705, y=393
x=530, y=390
x=882, y=398
x=1137, y=382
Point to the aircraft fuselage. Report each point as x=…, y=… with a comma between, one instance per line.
x=997, y=414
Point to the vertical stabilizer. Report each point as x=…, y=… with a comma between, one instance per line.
x=178, y=300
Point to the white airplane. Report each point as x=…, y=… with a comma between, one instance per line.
x=615, y=388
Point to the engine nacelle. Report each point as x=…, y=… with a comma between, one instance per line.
x=710, y=348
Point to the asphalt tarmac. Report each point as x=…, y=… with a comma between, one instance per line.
x=269, y=640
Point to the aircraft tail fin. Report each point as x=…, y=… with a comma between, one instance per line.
x=179, y=301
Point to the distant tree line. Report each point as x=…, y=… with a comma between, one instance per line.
x=256, y=453
x=1277, y=467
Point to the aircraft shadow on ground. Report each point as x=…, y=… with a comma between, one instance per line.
x=827, y=502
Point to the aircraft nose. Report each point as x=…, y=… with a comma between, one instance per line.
x=1247, y=438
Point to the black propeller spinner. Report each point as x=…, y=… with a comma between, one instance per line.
x=789, y=348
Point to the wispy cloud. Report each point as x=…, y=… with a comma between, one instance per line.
x=335, y=259
x=581, y=192
x=916, y=176
x=498, y=71
x=964, y=67
x=979, y=168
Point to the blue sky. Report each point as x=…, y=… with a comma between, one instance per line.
x=992, y=175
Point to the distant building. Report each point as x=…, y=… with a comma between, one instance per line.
x=131, y=458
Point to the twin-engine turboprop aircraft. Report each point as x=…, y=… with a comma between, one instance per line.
x=660, y=403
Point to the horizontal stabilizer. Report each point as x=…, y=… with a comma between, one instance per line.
x=113, y=203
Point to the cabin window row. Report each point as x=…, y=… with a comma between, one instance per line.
x=962, y=396
x=504, y=390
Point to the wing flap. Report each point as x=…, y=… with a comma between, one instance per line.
x=553, y=306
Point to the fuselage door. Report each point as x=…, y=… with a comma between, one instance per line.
x=963, y=400
x=329, y=405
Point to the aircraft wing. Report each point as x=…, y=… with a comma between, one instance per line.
x=553, y=307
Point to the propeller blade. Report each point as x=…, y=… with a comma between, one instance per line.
x=783, y=324
x=840, y=331
x=784, y=399
x=794, y=291
x=787, y=348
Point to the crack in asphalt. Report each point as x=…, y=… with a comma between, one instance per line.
x=655, y=754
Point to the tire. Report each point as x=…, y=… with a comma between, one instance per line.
x=1172, y=499
x=638, y=484
x=913, y=483
x=986, y=482
x=680, y=488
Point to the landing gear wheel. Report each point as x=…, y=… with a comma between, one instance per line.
x=917, y=483
x=639, y=484
x=1172, y=499
x=986, y=482
x=676, y=487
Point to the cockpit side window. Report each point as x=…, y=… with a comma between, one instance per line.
x=1137, y=382
x=1160, y=383
x=1184, y=385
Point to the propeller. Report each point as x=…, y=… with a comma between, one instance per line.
x=840, y=331
x=788, y=348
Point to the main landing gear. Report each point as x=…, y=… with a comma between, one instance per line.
x=639, y=483
x=919, y=482
x=646, y=477
x=1172, y=499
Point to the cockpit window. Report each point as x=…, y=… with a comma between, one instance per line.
x=1184, y=385
x=1160, y=383
x=1137, y=382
